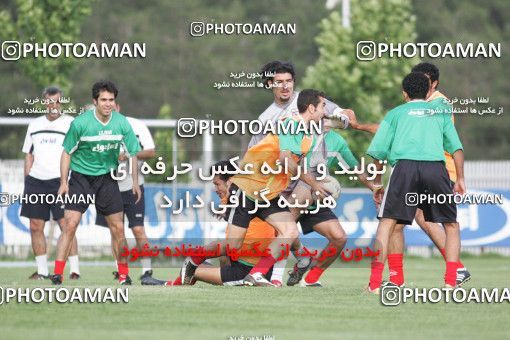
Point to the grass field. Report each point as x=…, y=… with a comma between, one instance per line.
x=339, y=310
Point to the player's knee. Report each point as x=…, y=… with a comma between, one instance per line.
x=139, y=232
x=340, y=240
x=290, y=232
x=70, y=224
x=399, y=228
x=338, y=237
x=36, y=226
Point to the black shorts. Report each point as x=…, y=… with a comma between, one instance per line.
x=234, y=274
x=42, y=210
x=308, y=221
x=408, y=180
x=135, y=212
x=105, y=189
x=240, y=215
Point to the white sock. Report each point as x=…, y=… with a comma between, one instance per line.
x=42, y=264
x=278, y=269
x=74, y=264
x=146, y=264
x=302, y=261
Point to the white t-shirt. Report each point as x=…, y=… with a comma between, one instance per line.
x=44, y=141
x=146, y=143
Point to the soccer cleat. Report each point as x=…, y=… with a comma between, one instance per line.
x=74, y=276
x=303, y=283
x=296, y=274
x=115, y=275
x=56, y=279
x=277, y=283
x=256, y=279
x=463, y=276
x=125, y=280
x=37, y=276
x=391, y=284
x=187, y=271
x=147, y=280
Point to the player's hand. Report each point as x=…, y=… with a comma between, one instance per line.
x=377, y=195
x=460, y=186
x=137, y=192
x=319, y=192
x=353, y=122
x=63, y=189
x=122, y=157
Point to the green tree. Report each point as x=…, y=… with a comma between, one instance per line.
x=52, y=21
x=370, y=88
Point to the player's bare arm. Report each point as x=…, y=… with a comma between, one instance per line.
x=29, y=161
x=353, y=121
x=65, y=160
x=458, y=159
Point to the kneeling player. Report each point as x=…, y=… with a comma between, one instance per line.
x=259, y=233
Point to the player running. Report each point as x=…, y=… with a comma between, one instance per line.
x=325, y=222
x=259, y=234
x=91, y=151
x=43, y=148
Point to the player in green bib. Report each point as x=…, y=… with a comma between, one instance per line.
x=413, y=138
x=91, y=151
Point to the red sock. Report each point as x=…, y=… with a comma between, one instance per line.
x=396, y=265
x=122, y=268
x=197, y=260
x=443, y=252
x=376, y=275
x=177, y=282
x=264, y=264
x=314, y=274
x=451, y=273
x=59, y=267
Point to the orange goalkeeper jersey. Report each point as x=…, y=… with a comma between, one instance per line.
x=259, y=233
x=450, y=165
x=268, y=151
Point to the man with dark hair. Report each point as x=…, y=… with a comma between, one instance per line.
x=135, y=211
x=43, y=148
x=91, y=151
x=250, y=189
x=413, y=137
x=280, y=77
x=430, y=70
x=435, y=231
